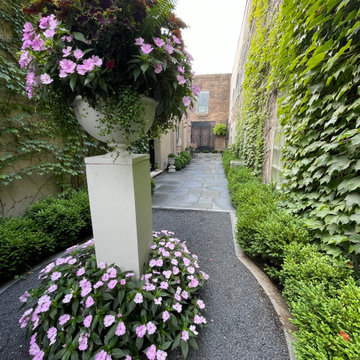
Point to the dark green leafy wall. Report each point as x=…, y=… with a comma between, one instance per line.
x=314, y=60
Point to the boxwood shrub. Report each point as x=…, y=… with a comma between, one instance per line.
x=49, y=225
x=22, y=245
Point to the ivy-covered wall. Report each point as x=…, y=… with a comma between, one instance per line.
x=39, y=154
x=308, y=52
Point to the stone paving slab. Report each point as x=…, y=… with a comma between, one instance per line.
x=200, y=185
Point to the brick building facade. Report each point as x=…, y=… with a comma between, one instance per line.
x=212, y=108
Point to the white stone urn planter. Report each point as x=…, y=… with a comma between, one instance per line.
x=119, y=191
x=89, y=118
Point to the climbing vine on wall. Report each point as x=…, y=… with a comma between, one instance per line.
x=310, y=51
x=33, y=137
x=254, y=109
x=321, y=117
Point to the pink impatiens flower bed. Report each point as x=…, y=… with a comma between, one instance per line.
x=86, y=310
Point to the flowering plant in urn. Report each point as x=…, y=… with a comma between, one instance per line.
x=109, y=52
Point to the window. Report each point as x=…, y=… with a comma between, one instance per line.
x=202, y=103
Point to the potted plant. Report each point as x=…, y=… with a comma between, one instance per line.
x=171, y=158
x=110, y=56
x=219, y=130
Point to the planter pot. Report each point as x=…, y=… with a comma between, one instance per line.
x=171, y=161
x=89, y=118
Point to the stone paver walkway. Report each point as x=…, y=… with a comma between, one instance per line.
x=201, y=185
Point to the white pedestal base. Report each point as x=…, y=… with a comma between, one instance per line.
x=120, y=202
x=171, y=169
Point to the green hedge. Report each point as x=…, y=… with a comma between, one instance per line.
x=49, y=225
x=320, y=290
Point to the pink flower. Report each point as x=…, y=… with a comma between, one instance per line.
x=200, y=304
x=39, y=355
x=23, y=298
x=72, y=261
x=165, y=316
x=68, y=38
x=181, y=79
x=122, y=281
x=186, y=100
x=169, y=49
x=184, y=335
x=89, y=302
x=102, y=355
x=78, y=54
x=112, y=284
x=51, y=335
x=96, y=61
x=146, y=48
x=28, y=27
x=181, y=69
x=195, y=89
x=83, y=342
x=158, y=301
x=112, y=272
x=105, y=277
x=31, y=78
x=164, y=285
x=176, y=39
x=140, y=331
x=159, y=42
x=34, y=349
x=85, y=291
x=52, y=288
x=158, y=68
x=167, y=273
x=152, y=263
x=175, y=270
x=151, y=328
x=67, y=298
x=191, y=270
x=161, y=355
x=102, y=265
x=108, y=320
x=48, y=22
x=151, y=352
x=63, y=319
x=33, y=339
x=130, y=274
x=49, y=33
x=193, y=329
x=194, y=283
x=138, y=298
x=199, y=319
x=120, y=329
x=128, y=357
x=187, y=262
x=67, y=51
x=139, y=41
x=171, y=246
x=185, y=295
x=68, y=67
x=98, y=284
x=174, y=262
x=87, y=321
x=177, y=307
x=178, y=254
x=159, y=262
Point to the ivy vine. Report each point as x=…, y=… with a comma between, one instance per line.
x=34, y=138
x=310, y=52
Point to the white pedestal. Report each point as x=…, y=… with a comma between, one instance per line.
x=120, y=202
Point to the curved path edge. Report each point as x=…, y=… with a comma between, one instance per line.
x=270, y=290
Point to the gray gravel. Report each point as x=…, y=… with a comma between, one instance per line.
x=242, y=324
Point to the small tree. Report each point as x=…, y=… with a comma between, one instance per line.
x=219, y=130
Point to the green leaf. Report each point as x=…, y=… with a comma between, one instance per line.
x=118, y=353
x=144, y=67
x=79, y=36
x=73, y=82
x=315, y=60
x=184, y=348
x=352, y=199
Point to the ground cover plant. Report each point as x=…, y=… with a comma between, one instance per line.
x=82, y=310
x=321, y=290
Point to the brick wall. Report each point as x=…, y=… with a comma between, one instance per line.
x=218, y=86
